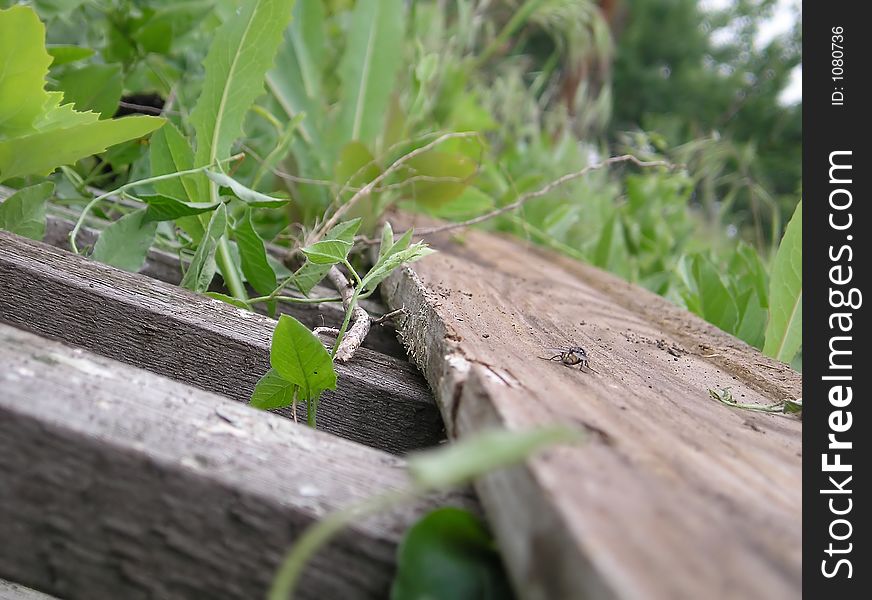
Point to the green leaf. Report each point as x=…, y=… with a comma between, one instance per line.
x=229, y=300
x=23, y=213
x=96, y=88
x=272, y=391
x=392, y=260
x=752, y=325
x=247, y=195
x=164, y=208
x=327, y=252
x=455, y=169
x=463, y=461
x=62, y=54
x=170, y=152
x=299, y=357
x=202, y=269
x=25, y=65
x=242, y=51
x=369, y=67
x=449, y=555
x=40, y=153
x=125, y=243
x=387, y=240
x=784, y=331
x=296, y=80
x=252, y=255
x=470, y=203
x=308, y=275
x=717, y=304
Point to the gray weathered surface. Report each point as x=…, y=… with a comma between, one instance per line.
x=163, y=265
x=380, y=401
x=118, y=483
x=674, y=496
x=16, y=591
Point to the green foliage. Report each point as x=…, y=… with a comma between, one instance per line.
x=784, y=332
x=37, y=133
x=125, y=243
x=252, y=256
x=23, y=212
x=202, y=267
x=449, y=555
x=273, y=391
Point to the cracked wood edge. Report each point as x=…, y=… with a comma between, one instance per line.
x=380, y=401
x=118, y=483
x=670, y=481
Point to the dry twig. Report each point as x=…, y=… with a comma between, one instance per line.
x=360, y=318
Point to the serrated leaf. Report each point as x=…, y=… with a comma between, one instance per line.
x=164, y=208
x=327, y=252
x=97, y=88
x=23, y=213
x=784, y=331
x=25, y=65
x=463, y=461
x=42, y=152
x=202, y=269
x=368, y=68
x=388, y=263
x=125, y=243
x=246, y=194
x=299, y=357
x=252, y=255
x=272, y=391
x=449, y=555
x=239, y=57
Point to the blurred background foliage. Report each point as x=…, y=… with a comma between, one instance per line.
x=550, y=86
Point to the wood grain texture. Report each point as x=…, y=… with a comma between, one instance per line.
x=165, y=266
x=16, y=591
x=380, y=401
x=675, y=496
x=118, y=483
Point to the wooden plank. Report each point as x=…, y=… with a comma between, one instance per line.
x=118, y=483
x=15, y=591
x=165, y=266
x=380, y=401
x=675, y=495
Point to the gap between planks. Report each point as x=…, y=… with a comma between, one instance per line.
x=380, y=401
x=118, y=483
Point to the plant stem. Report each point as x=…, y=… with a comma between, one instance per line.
x=229, y=270
x=132, y=184
x=348, y=312
x=292, y=299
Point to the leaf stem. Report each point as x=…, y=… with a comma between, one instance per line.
x=120, y=190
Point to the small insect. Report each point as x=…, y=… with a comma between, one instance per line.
x=574, y=355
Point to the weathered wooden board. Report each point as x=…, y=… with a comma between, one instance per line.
x=118, y=483
x=16, y=591
x=380, y=401
x=165, y=266
x=674, y=496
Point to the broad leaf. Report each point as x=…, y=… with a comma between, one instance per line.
x=125, y=243
x=252, y=255
x=164, y=208
x=299, y=357
x=202, y=269
x=272, y=391
x=96, y=88
x=784, y=331
x=246, y=194
x=308, y=275
x=25, y=65
x=63, y=54
x=327, y=252
x=716, y=302
x=368, y=68
x=23, y=212
x=242, y=51
x=463, y=461
x=449, y=555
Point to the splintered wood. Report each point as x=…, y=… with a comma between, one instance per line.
x=674, y=495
